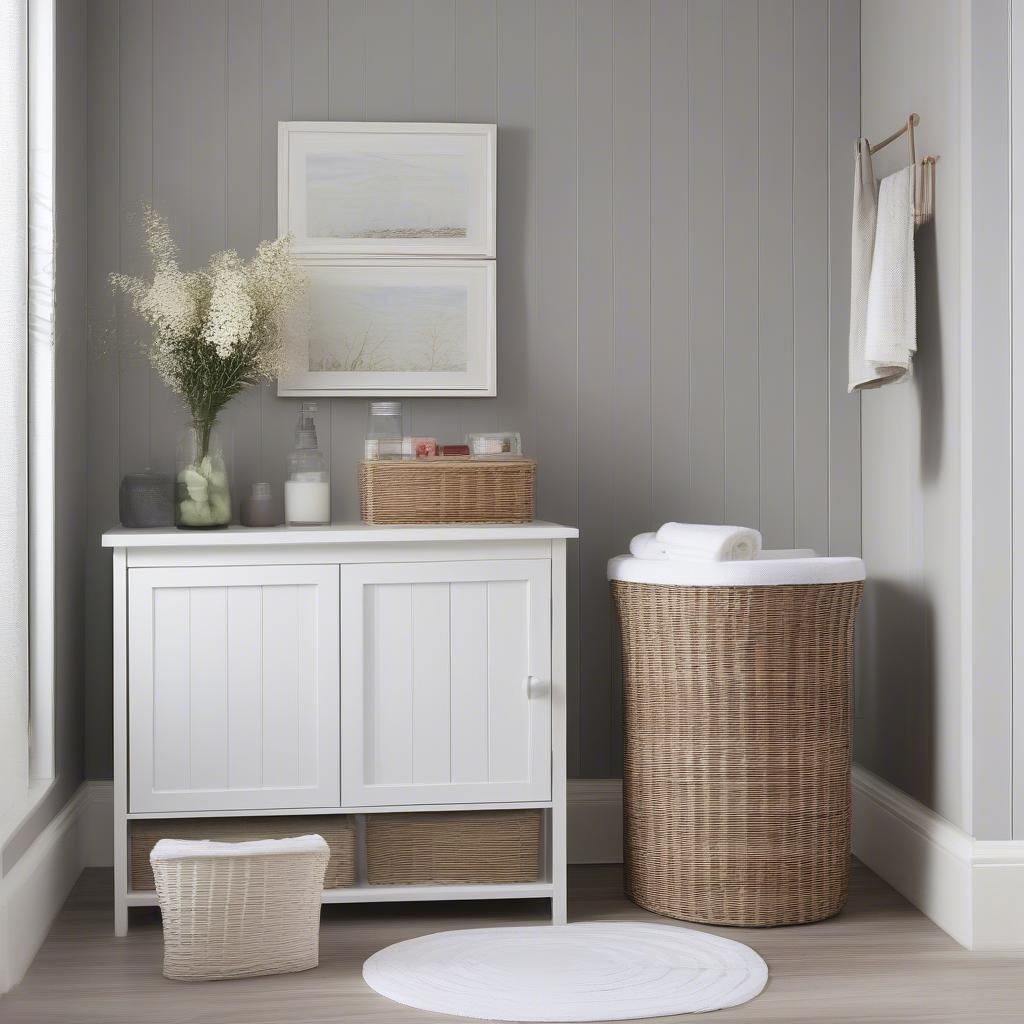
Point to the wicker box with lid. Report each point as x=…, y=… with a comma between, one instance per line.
x=449, y=489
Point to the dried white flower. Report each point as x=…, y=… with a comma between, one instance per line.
x=218, y=330
x=230, y=316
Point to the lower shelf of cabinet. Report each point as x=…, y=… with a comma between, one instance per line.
x=408, y=893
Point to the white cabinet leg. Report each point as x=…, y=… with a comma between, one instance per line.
x=120, y=565
x=558, y=905
x=120, y=915
x=120, y=876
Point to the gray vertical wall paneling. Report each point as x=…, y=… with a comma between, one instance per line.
x=775, y=268
x=135, y=186
x=597, y=464
x=434, y=66
x=389, y=58
x=517, y=214
x=310, y=102
x=102, y=456
x=740, y=164
x=706, y=427
x=844, y=466
x=476, y=101
x=242, y=202
x=277, y=90
x=1017, y=412
x=670, y=262
x=346, y=102
x=631, y=291
x=810, y=274
x=554, y=371
x=991, y=586
x=433, y=59
x=172, y=189
x=206, y=85
x=433, y=99
x=621, y=196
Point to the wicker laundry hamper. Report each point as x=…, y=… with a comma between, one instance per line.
x=237, y=910
x=737, y=693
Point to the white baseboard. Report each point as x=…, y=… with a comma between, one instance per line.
x=972, y=889
x=35, y=889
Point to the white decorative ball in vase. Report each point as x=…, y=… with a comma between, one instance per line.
x=202, y=498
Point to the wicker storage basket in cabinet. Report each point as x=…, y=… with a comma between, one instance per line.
x=736, y=784
x=338, y=831
x=453, y=848
x=447, y=490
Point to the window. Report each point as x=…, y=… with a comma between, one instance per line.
x=14, y=686
x=26, y=397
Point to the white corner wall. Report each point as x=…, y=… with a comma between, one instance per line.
x=935, y=708
x=910, y=727
x=939, y=791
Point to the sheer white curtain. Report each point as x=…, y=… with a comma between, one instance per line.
x=13, y=402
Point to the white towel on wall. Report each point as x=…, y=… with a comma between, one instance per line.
x=891, y=335
x=697, y=542
x=862, y=247
x=883, y=301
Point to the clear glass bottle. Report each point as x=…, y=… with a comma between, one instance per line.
x=202, y=499
x=307, y=490
x=384, y=431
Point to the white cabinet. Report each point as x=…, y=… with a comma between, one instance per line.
x=234, y=687
x=349, y=669
x=446, y=694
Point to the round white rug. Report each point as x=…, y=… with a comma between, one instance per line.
x=574, y=972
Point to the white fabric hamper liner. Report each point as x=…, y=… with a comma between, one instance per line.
x=574, y=972
x=767, y=571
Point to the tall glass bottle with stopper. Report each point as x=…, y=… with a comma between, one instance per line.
x=307, y=491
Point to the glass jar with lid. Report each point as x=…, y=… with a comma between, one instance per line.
x=384, y=431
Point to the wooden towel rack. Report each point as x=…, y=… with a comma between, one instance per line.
x=924, y=192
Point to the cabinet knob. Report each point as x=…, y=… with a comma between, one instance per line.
x=533, y=686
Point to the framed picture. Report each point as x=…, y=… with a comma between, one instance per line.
x=396, y=328
x=356, y=188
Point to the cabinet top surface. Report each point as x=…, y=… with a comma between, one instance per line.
x=336, y=533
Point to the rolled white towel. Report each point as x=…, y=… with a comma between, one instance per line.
x=645, y=545
x=696, y=542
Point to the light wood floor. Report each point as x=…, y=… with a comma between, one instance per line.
x=880, y=960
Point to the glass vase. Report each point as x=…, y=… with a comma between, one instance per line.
x=202, y=499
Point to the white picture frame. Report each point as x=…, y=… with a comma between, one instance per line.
x=364, y=188
x=395, y=328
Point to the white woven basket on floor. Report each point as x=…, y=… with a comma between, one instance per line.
x=237, y=910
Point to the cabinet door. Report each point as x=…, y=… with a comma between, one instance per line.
x=445, y=682
x=233, y=687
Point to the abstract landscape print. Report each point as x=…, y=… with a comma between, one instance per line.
x=396, y=328
x=386, y=195
x=390, y=328
x=358, y=188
